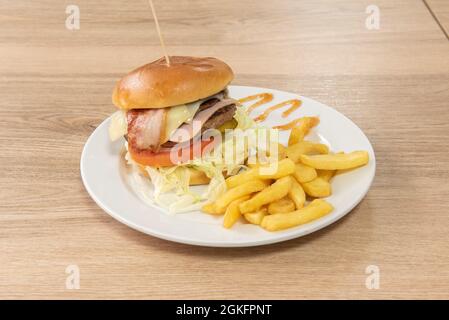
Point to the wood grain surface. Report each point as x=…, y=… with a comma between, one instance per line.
x=56, y=86
x=440, y=11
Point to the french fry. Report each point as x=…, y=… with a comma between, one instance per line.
x=265, y=157
x=315, y=210
x=252, y=165
x=276, y=191
x=326, y=174
x=255, y=217
x=281, y=151
x=210, y=209
x=258, y=160
x=302, y=129
x=336, y=161
x=242, y=190
x=281, y=169
x=304, y=173
x=281, y=206
x=232, y=213
x=317, y=188
x=305, y=147
x=297, y=194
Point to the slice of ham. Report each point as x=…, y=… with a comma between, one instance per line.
x=189, y=130
x=146, y=127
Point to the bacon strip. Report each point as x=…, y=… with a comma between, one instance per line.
x=146, y=128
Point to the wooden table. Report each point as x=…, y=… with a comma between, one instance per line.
x=55, y=89
x=440, y=12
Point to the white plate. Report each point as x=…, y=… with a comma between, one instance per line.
x=102, y=171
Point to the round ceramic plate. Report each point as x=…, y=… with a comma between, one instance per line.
x=104, y=175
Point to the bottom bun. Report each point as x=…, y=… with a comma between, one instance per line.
x=196, y=177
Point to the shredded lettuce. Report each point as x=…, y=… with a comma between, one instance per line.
x=244, y=121
x=169, y=179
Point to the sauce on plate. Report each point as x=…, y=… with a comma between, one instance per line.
x=294, y=104
x=263, y=98
x=268, y=97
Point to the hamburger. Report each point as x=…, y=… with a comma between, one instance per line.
x=166, y=107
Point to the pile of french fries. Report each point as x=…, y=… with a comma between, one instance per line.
x=291, y=194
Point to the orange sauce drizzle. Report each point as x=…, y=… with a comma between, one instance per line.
x=263, y=98
x=267, y=97
x=289, y=125
x=295, y=104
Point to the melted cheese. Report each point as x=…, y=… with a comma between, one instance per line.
x=175, y=117
x=178, y=115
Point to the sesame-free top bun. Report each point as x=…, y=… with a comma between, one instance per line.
x=157, y=85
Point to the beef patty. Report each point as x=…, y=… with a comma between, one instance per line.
x=220, y=117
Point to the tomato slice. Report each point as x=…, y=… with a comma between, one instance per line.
x=165, y=158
